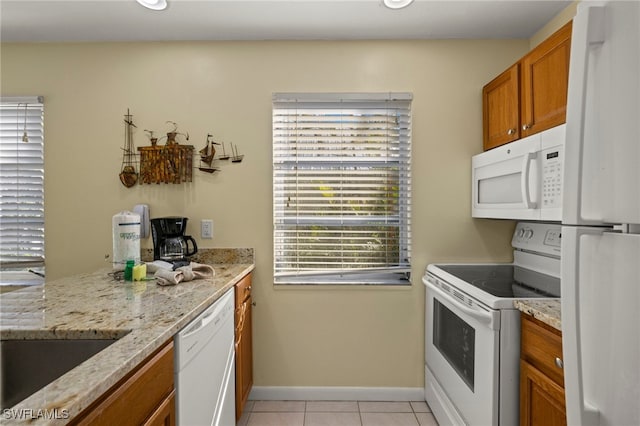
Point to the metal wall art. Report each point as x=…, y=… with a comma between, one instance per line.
x=128, y=174
x=168, y=163
x=171, y=162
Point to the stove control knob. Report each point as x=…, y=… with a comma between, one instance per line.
x=528, y=234
x=521, y=233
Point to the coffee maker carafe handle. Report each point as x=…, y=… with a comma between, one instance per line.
x=188, y=238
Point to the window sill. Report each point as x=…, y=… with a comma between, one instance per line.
x=371, y=280
x=20, y=278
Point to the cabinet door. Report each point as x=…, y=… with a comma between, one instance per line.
x=541, y=399
x=136, y=397
x=246, y=359
x=244, y=344
x=544, y=83
x=500, y=109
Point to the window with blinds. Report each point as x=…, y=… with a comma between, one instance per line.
x=342, y=188
x=21, y=182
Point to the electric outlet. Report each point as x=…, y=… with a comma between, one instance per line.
x=206, y=228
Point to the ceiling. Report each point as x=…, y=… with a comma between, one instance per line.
x=126, y=20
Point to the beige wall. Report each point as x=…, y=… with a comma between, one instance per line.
x=303, y=336
x=552, y=26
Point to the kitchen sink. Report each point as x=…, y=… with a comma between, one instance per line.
x=28, y=365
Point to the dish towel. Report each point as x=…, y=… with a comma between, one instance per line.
x=193, y=271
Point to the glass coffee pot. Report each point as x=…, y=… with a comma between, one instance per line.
x=169, y=242
x=177, y=248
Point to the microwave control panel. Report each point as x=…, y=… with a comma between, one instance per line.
x=552, y=160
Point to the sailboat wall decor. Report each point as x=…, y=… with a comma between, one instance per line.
x=207, y=155
x=128, y=173
x=236, y=158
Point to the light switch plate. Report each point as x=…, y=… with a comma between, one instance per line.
x=206, y=228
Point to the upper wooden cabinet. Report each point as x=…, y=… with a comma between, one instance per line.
x=501, y=108
x=530, y=96
x=544, y=83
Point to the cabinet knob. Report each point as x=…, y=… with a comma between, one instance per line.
x=526, y=126
x=511, y=132
x=559, y=363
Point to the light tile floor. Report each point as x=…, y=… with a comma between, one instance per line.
x=336, y=413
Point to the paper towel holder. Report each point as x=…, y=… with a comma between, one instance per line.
x=143, y=211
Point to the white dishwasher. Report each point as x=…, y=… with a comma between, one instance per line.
x=204, y=367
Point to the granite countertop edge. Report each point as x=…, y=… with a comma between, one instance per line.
x=140, y=330
x=545, y=310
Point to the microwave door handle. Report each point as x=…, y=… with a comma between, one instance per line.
x=524, y=183
x=481, y=316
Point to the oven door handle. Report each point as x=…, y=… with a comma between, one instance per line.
x=484, y=317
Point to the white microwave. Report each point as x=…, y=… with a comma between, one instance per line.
x=520, y=180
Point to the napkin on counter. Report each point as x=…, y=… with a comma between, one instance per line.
x=193, y=271
x=168, y=277
x=159, y=264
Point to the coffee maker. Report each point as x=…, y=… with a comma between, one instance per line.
x=169, y=242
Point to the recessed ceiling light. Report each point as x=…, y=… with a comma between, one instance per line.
x=154, y=4
x=397, y=4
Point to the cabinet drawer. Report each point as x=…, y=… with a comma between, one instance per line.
x=541, y=346
x=134, y=399
x=165, y=415
x=243, y=289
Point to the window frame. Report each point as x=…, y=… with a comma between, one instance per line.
x=23, y=233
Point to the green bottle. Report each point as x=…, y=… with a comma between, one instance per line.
x=128, y=270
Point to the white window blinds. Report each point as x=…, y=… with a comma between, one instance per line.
x=342, y=188
x=21, y=182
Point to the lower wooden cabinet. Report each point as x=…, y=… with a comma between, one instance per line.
x=244, y=343
x=542, y=398
x=146, y=396
x=165, y=415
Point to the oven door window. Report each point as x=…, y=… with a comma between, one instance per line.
x=455, y=339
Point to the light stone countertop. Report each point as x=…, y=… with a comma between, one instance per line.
x=143, y=315
x=547, y=311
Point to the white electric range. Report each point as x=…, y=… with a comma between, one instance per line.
x=472, y=344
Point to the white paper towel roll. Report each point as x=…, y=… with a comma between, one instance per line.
x=126, y=239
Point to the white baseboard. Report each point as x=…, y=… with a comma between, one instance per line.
x=302, y=393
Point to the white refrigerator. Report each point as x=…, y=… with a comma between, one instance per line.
x=601, y=218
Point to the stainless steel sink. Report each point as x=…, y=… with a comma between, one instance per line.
x=28, y=365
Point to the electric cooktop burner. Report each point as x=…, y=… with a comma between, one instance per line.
x=507, y=281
